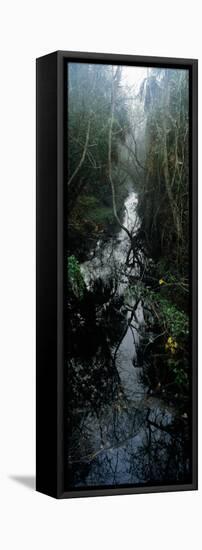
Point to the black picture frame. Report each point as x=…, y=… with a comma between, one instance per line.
x=50, y=201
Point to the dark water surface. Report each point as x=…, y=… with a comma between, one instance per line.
x=119, y=433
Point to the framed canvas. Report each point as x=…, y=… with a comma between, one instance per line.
x=116, y=274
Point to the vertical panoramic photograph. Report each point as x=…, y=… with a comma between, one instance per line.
x=127, y=371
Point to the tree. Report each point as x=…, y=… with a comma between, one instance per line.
x=94, y=138
x=164, y=195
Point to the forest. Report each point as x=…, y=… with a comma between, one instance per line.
x=127, y=372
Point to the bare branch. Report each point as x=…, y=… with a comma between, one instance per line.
x=110, y=159
x=83, y=155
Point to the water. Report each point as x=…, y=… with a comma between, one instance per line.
x=109, y=258
x=118, y=432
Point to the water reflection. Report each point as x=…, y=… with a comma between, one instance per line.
x=117, y=432
x=116, y=440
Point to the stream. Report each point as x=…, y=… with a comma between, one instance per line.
x=119, y=432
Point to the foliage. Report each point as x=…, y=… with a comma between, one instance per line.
x=171, y=345
x=75, y=278
x=175, y=321
x=180, y=373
